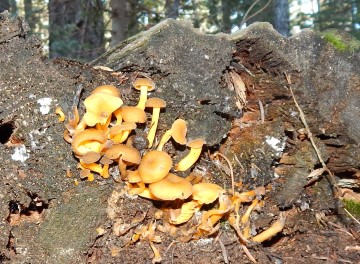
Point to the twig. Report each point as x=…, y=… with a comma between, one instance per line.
x=223, y=250
x=231, y=170
x=262, y=112
x=246, y=18
x=303, y=120
x=357, y=221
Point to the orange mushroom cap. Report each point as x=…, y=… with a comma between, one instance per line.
x=88, y=140
x=107, y=89
x=177, y=132
x=99, y=106
x=144, y=85
x=171, y=187
x=154, y=166
x=133, y=114
x=206, y=193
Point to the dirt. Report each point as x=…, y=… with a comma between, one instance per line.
x=46, y=218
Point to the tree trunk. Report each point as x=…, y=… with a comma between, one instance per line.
x=76, y=29
x=281, y=17
x=226, y=13
x=4, y=5
x=120, y=20
x=13, y=8
x=172, y=8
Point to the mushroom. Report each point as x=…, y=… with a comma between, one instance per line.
x=147, y=194
x=86, y=173
x=144, y=85
x=61, y=114
x=126, y=155
x=206, y=193
x=107, y=89
x=134, y=178
x=192, y=156
x=154, y=166
x=133, y=114
x=177, y=132
x=271, y=231
x=172, y=187
x=119, y=133
x=88, y=140
x=88, y=161
x=180, y=216
x=156, y=104
x=99, y=106
x=211, y=217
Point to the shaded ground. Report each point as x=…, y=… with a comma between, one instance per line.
x=45, y=218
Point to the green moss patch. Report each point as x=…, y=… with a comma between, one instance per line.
x=353, y=207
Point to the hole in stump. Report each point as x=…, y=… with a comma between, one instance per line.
x=6, y=130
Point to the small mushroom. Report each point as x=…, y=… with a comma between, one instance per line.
x=172, y=187
x=99, y=107
x=88, y=140
x=154, y=166
x=271, y=231
x=60, y=113
x=206, y=193
x=126, y=156
x=180, y=216
x=135, y=179
x=192, y=156
x=133, y=114
x=177, y=132
x=107, y=89
x=144, y=85
x=156, y=104
x=119, y=133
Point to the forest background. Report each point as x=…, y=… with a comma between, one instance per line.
x=84, y=29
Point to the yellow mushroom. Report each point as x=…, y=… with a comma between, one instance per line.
x=107, y=89
x=133, y=114
x=180, y=216
x=134, y=179
x=155, y=165
x=119, y=133
x=99, y=107
x=271, y=231
x=206, y=193
x=61, y=114
x=88, y=140
x=156, y=104
x=172, y=187
x=177, y=132
x=144, y=85
x=192, y=156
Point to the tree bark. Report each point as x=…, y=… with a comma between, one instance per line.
x=120, y=20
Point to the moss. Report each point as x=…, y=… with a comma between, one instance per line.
x=341, y=40
x=353, y=207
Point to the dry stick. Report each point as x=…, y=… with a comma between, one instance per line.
x=223, y=250
x=303, y=120
x=246, y=18
x=231, y=170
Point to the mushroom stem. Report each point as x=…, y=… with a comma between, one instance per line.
x=188, y=160
x=61, y=114
x=157, y=257
x=153, y=125
x=122, y=169
x=165, y=138
x=143, y=97
x=271, y=231
x=179, y=216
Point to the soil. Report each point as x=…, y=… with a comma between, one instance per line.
x=47, y=218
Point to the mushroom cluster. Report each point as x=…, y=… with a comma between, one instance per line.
x=106, y=136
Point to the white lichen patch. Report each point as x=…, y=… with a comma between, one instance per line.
x=276, y=144
x=20, y=154
x=45, y=104
x=204, y=241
